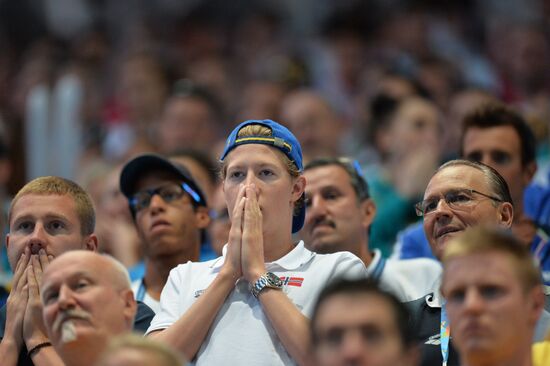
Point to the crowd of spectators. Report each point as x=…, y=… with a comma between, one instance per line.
x=86, y=86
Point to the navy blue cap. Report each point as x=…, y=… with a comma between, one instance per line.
x=282, y=139
x=143, y=164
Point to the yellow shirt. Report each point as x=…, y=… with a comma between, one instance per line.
x=541, y=354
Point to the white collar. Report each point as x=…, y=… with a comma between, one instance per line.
x=434, y=299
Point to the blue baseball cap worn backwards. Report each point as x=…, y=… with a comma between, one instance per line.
x=281, y=139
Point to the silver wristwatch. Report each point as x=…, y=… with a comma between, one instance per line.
x=268, y=279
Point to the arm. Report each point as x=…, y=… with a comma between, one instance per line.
x=289, y=323
x=188, y=333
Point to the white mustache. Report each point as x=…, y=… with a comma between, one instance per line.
x=69, y=314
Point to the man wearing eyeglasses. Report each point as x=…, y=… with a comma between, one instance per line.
x=338, y=217
x=169, y=211
x=461, y=194
x=499, y=137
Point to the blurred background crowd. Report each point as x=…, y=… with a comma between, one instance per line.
x=87, y=84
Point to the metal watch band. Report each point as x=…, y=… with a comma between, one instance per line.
x=269, y=280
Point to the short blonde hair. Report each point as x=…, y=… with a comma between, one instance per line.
x=164, y=355
x=51, y=185
x=480, y=239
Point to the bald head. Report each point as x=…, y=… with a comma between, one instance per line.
x=87, y=300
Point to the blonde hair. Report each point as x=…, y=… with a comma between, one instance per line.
x=480, y=239
x=164, y=355
x=51, y=185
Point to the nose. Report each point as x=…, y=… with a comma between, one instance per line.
x=317, y=208
x=156, y=204
x=442, y=211
x=38, y=239
x=250, y=177
x=473, y=303
x=65, y=298
x=352, y=346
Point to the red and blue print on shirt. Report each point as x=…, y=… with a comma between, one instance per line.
x=292, y=281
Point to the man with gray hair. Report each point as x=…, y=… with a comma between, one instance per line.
x=461, y=194
x=87, y=300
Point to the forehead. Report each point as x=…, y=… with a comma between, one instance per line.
x=504, y=138
x=327, y=176
x=354, y=309
x=457, y=177
x=73, y=264
x=418, y=108
x=480, y=268
x=39, y=205
x=254, y=154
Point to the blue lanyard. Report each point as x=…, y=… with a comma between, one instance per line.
x=377, y=272
x=141, y=292
x=444, y=334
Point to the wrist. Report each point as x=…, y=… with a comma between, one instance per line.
x=255, y=274
x=266, y=281
x=34, y=350
x=32, y=342
x=11, y=343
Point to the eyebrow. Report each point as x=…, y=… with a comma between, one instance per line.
x=71, y=277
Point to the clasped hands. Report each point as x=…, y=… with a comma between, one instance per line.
x=24, y=322
x=245, y=247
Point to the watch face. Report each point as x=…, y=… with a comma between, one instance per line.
x=274, y=279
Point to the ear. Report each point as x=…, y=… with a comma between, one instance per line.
x=202, y=217
x=506, y=214
x=91, y=243
x=298, y=188
x=7, y=240
x=368, y=211
x=536, y=303
x=130, y=306
x=529, y=172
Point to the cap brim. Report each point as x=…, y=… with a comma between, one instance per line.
x=143, y=164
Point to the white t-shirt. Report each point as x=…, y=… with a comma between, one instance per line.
x=408, y=279
x=241, y=334
x=140, y=294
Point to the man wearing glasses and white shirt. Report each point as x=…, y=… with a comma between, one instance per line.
x=459, y=195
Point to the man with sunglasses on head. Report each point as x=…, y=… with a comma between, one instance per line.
x=338, y=218
x=169, y=211
x=460, y=194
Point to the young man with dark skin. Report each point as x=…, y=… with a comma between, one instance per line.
x=169, y=211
